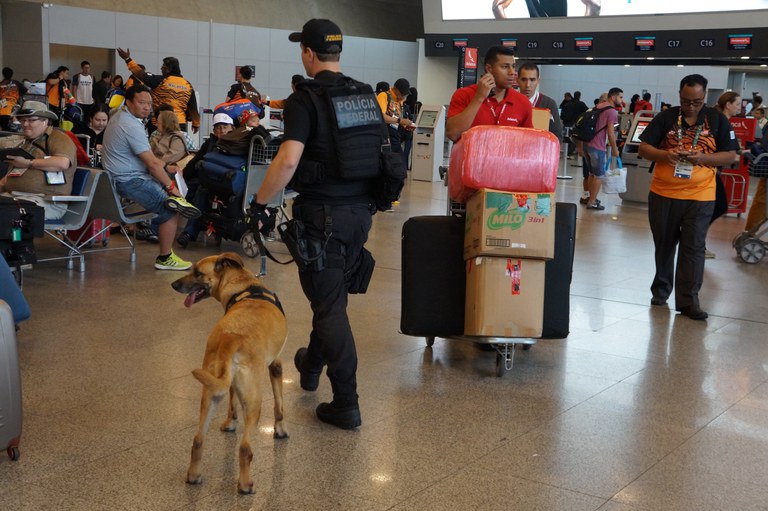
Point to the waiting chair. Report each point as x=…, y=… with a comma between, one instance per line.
x=108, y=204
x=78, y=205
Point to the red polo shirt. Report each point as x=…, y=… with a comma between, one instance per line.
x=514, y=110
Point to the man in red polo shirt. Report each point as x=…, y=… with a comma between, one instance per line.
x=491, y=101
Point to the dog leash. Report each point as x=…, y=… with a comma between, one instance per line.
x=263, y=249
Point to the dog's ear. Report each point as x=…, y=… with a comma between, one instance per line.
x=228, y=260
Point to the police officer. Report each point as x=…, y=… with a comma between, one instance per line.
x=336, y=214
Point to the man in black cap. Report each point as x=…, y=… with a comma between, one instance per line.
x=391, y=104
x=322, y=160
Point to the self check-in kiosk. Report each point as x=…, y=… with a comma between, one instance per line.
x=427, y=152
x=638, y=175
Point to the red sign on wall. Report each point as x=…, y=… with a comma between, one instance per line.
x=470, y=58
x=745, y=128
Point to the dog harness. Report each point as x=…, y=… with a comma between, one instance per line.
x=256, y=293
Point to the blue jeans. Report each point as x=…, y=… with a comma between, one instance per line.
x=150, y=194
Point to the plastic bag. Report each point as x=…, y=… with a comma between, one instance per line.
x=504, y=158
x=615, y=179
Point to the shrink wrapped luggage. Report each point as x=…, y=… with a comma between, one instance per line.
x=503, y=158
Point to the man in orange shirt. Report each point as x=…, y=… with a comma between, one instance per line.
x=11, y=95
x=391, y=104
x=687, y=144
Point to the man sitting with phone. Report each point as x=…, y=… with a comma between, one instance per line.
x=44, y=163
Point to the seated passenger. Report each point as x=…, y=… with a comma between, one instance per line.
x=51, y=170
x=168, y=144
x=199, y=196
x=140, y=176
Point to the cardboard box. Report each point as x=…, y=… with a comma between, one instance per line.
x=510, y=224
x=505, y=297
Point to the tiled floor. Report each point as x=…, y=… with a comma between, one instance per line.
x=639, y=409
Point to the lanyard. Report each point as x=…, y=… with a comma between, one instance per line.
x=699, y=127
x=493, y=110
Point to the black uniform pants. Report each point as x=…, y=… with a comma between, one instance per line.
x=683, y=222
x=331, y=341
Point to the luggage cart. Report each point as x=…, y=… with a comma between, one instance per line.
x=751, y=245
x=260, y=156
x=503, y=346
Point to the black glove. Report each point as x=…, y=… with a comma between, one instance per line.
x=260, y=218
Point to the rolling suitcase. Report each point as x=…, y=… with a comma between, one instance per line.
x=95, y=230
x=10, y=385
x=557, y=274
x=433, y=279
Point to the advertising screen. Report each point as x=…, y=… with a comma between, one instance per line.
x=516, y=9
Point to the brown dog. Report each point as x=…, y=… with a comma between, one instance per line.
x=249, y=337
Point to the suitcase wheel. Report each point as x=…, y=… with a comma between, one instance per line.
x=430, y=340
x=14, y=453
x=248, y=242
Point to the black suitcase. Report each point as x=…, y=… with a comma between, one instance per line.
x=558, y=272
x=433, y=280
x=20, y=222
x=10, y=385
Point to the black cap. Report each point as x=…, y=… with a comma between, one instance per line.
x=403, y=86
x=323, y=36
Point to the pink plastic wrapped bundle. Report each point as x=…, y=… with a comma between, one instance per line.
x=503, y=158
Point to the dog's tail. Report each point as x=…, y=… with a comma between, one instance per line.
x=219, y=387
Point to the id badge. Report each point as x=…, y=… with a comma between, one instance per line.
x=683, y=170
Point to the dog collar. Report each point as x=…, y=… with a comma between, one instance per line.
x=256, y=293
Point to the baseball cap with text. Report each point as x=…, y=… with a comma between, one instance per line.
x=321, y=35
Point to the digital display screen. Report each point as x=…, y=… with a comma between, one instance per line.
x=427, y=119
x=517, y=9
x=639, y=129
x=740, y=42
x=645, y=43
x=582, y=44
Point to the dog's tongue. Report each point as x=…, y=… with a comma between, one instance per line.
x=192, y=297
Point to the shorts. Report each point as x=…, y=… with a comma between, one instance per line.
x=150, y=194
x=596, y=161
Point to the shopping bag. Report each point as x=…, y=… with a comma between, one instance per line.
x=615, y=178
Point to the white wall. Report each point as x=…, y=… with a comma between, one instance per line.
x=593, y=80
x=208, y=52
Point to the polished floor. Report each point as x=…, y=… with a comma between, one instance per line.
x=638, y=409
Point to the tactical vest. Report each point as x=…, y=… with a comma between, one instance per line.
x=343, y=155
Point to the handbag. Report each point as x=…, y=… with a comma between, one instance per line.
x=615, y=179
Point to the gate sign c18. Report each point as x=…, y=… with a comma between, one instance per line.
x=356, y=110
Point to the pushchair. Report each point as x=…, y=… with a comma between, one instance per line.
x=751, y=245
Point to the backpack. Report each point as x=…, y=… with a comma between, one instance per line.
x=236, y=107
x=585, y=128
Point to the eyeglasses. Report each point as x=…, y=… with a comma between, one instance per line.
x=691, y=102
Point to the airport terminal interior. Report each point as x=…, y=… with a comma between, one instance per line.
x=639, y=408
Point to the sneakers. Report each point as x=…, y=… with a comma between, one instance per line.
x=708, y=254
x=182, y=207
x=347, y=417
x=172, y=262
x=146, y=234
x=584, y=200
x=184, y=239
x=596, y=206
x=309, y=380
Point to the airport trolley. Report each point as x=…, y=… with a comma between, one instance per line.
x=752, y=245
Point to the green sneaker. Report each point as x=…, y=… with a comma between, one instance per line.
x=173, y=262
x=182, y=207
